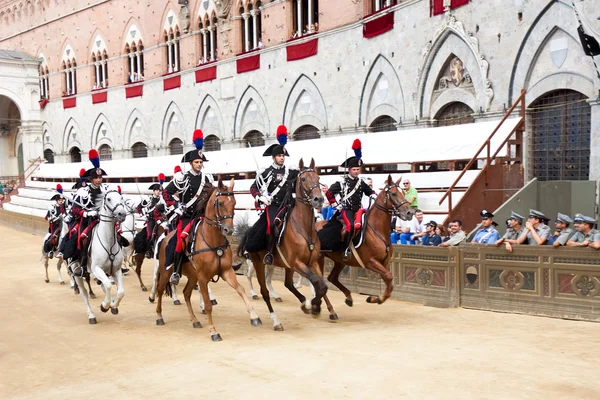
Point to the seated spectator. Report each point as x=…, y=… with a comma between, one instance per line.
x=442, y=231
x=431, y=238
x=563, y=233
x=417, y=229
x=487, y=234
x=586, y=235
x=367, y=201
x=410, y=194
x=514, y=230
x=399, y=226
x=316, y=27
x=536, y=232
x=457, y=235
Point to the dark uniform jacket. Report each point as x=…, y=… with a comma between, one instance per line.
x=271, y=179
x=351, y=199
x=185, y=188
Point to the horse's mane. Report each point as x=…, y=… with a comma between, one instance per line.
x=202, y=202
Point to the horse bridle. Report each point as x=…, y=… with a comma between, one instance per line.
x=111, y=210
x=219, y=218
x=306, y=192
x=395, y=210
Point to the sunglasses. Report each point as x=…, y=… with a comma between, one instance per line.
x=406, y=183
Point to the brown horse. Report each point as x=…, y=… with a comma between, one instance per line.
x=138, y=260
x=211, y=256
x=299, y=247
x=374, y=254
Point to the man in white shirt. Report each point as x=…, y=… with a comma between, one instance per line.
x=417, y=229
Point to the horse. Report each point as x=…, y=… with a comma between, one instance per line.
x=128, y=232
x=298, y=248
x=54, y=239
x=374, y=254
x=210, y=256
x=105, y=254
x=269, y=276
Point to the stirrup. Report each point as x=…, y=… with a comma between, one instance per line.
x=77, y=269
x=51, y=255
x=347, y=254
x=148, y=254
x=59, y=255
x=174, y=278
x=268, y=259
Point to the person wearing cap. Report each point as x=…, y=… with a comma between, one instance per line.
x=431, y=238
x=54, y=216
x=586, y=235
x=189, y=192
x=346, y=195
x=153, y=209
x=563, y=231
x=514, y=230
x=272, y=186
x=487, y=234
x=536, y=232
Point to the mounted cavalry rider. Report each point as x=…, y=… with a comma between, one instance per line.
x=154, y=211
x=56, y=213
x=346, y=195
x=191, y=190
x=70, y=219
x=271, y=188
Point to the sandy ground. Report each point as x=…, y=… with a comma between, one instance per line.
x=397, y=350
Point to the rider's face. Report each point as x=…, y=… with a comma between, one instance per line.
x=279, y=159
x=60, y=201
x=197, y=165
x=156, y=193
x=354, y=171
x=97, y=181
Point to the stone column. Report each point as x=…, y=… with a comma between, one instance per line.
x=68, y=78
x=169, y=58
x=299, y=17
x=377, y=5
x=104, y=72
x=204, y=46
x=212, y=42
x=310, y=16
x=131, y=67
x=246, y=32
x=255, y=14
x=97, y=66
x=33, y=141
x=138, y=56
x=175, y=42
x=47, y=92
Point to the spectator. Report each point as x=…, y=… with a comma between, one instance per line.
x=563, y=233
x=416, y=229
x=488, y=233
x=316, y=27
x=399, y=226
x=586, y=236
x=367, y=201
x=514, y=230
x=443, y=232
x=457, y=235
x=260, y=43
x=431, y=238
x=536, y=232
x=411, y=195
x=1, y=188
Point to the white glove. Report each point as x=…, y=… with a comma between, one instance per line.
x=178, y=211
x=373, y=196
x=339, y=207
x=67, y=219
x=164, y=224
x=90, y=214
x=265, y=199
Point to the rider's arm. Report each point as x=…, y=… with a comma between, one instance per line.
x=255, y=189
x=334, y=190
x=169, y=193
x=366, y=189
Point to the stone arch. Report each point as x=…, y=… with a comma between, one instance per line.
x=97, y=43
x=382, y=93
x=304, y=106
x=452, y=40
x=48, y=138
x=136, y=129
x=251, y=114
x=169, y=20
x=132, y=33
x=67, y=52
x=19, y=102
x=102, y=133
x=555, y=21
x=210, y=118
x=72, y=136
x=173, y=125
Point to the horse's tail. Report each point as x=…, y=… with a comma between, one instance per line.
x=242, y=246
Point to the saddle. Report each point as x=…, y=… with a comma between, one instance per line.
x=359, y=234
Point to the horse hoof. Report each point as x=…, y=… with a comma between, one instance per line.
x=278, y=328
x=350, y=303
x=46, y=280
x=214, y=302
x=373, y=300
x=92, y=295
x=256, y=322
x=204, y=312
x=305, y=309
x=160, y=322
x=98, y=282
x=177, y=302
x=151, y=299
x=114, y=311
x=197, y=325
x=315, y=312
x=103, y=309
x=76, y=290
x=278, y=299
x=216, y=337
x=196, y=287
x=255, y=297
x=93, y=321
x=333, y=317
x=144, y=289
x=62, y=283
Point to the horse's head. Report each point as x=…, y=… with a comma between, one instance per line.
x=114, y=205
x=223, y=207
x=308, y=188
x=394, y=201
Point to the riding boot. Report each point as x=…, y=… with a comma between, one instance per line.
x=268, y=259
x=177, y=269
x=347, y=241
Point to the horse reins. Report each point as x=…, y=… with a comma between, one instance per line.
x=395, y=210
x=111, y=256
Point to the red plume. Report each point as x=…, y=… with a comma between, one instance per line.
x=161, y=177
x=119, y=189
x=356, y=144
x=177, y=169
x=81, y=172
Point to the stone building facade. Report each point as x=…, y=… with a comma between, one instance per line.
x=363, y=65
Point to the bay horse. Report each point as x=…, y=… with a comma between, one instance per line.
x=298, y=249
x=374, y=254
x=54, y=239
x=210, y=256
x=105, y=255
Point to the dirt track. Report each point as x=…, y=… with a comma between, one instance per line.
x=49, y=351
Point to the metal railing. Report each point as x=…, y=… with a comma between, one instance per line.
x=20, y=180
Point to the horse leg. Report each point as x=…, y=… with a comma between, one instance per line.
x=231, y=279
x=83, y=292
x=316, y=268
x=249, y=273
x=92, y=294
x=203, y=284
x=269, y=277
x=213, y=299
x=139, y=260
x=298, y=283
x=45, y=258
x=114, y=306
x=174, y=295
x=386, y=275
x=155, y=282
x=161, y=282
x=317, y=280
x=264, y=291
x=106, y=285
x=334, y=276
x=190, y=272
x=289, y=284
x=58, y=265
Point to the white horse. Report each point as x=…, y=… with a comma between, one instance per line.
x=46, y=256
x=128, y=232
x=105, y=255
x=269, y=276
